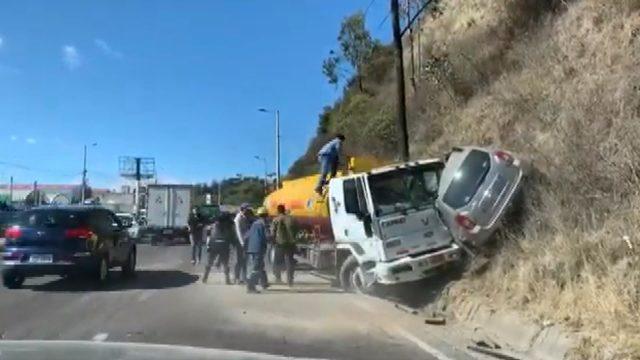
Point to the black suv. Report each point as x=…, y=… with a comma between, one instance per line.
x=66, y=240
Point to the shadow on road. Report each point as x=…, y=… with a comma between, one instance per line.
x=144, y=280
x=420, y=293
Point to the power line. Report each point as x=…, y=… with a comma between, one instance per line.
x=368, y=7
x=384, y=20
x=35, y=169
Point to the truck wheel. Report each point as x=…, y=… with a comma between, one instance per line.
x=12, y=280
x=351, y=276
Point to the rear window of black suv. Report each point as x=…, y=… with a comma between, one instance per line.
x=52, y=218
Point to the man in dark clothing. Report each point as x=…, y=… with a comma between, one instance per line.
x=329, y=158
x=219, y=245
x=283, y=230
x=242, y=222
x=196, y=233
x=256, y=239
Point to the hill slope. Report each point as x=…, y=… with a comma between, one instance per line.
x=557, y=82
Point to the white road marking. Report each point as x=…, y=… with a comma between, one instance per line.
x=85, y=298
x=363, y=305
x=405, y=334
x=421, y=344
x=100, y=337
x=146, y=294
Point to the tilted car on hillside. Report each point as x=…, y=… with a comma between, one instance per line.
x=477, y=187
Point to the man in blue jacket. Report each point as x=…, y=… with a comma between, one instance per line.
x=256, y=239
x=329, y=158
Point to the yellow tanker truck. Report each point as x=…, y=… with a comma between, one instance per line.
x=348, y=231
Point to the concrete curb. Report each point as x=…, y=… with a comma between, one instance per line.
x=510, y=330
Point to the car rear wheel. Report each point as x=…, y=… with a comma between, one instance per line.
x=102, y=273
x=12, y=280
x=129, y=268
x=351, y=276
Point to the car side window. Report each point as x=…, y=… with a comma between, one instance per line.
x=350, y=196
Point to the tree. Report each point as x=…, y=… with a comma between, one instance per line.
x=356, y=47
x=35, y=198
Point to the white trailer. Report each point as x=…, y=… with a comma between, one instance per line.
x=168, y=209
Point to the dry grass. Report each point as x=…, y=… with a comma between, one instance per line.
x=562, y=87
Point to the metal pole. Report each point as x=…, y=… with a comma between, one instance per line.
x=403, y=136
x=11, y=190
x=266, y=181
x=278, y=148
x=220, y=193
x=137, y=197
x=36, y=194
x=84, y=175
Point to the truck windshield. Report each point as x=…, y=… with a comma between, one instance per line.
x=403, y=189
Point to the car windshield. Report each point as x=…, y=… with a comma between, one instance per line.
x=403, y=189
x=50, y=218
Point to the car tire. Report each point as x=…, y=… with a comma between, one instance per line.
x=12, y=280
x=350, y=277
x=103, y=272
x=129, y=267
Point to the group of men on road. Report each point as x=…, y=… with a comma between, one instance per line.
x=250, y=236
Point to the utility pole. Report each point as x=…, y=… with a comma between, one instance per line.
x=266, y=185
x=137, y=197
x=277, y=144
x=36, y=194
x=278, y=148
x=11, y=190
x=84, y=175
x=220, y=193
x=403, y=136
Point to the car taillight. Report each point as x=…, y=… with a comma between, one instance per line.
x=465, y=221
x=503, y=156
x=78, y=233
x=13, y=232
x=14, y=255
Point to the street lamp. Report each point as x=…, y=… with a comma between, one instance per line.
x=260, y=158
x=84, y=172
x=277, y=112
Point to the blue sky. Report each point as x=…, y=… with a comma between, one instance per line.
x=180, y=81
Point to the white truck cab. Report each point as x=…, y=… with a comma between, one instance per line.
x=388, y=221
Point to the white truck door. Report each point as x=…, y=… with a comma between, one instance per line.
x=181, y=204
x=156, y=203
x=350, y=213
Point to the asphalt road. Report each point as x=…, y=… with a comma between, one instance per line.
x=166, y=303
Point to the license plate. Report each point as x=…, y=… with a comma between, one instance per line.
x=167, y=232
x=41, y=259
x=437, y=260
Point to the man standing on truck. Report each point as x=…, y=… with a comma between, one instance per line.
x=283, y=230
x=196, y=233
x=256, y=239
x=218, y=246
x=329, y=158
x=242, y=223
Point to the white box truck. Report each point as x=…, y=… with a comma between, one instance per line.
x=168, y=208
